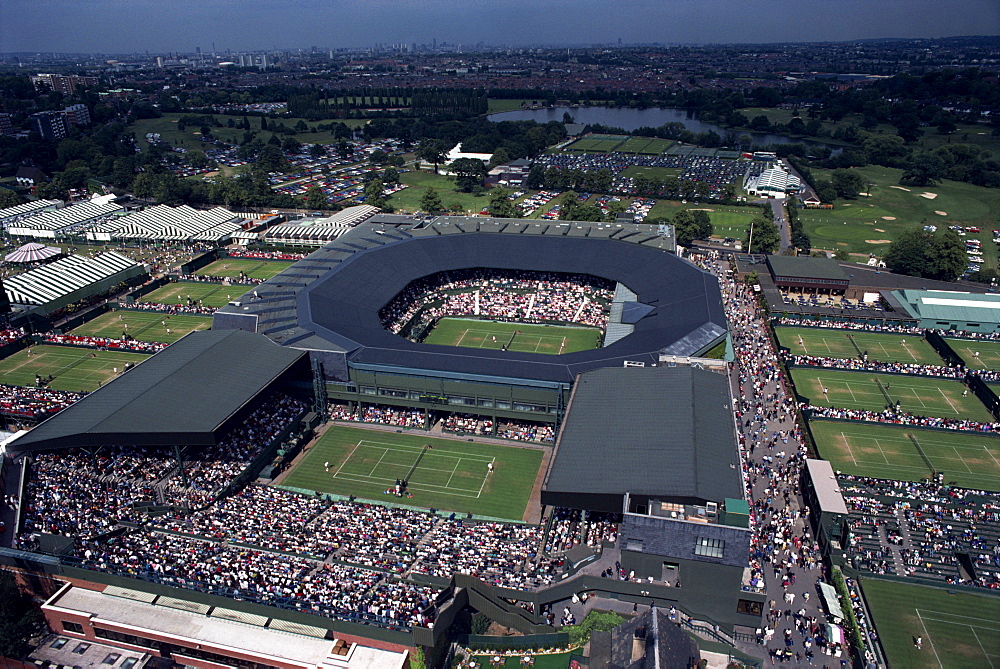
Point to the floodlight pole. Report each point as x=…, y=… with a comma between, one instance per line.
x=750, y=240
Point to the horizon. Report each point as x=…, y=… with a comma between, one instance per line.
x=120, y=27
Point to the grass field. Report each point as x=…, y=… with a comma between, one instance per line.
x=837, y=344
x=650, y=172
x=520, y=337
x=255, y=269
x=727, y=221
x=598, y=143
x=76, y=369
x=888, y=451
x=210, y=294
x=857, y=226
x=959, y=630
x=451, y=475
x=989, y=353
x=924, y=396
x=143, y=325
x=650, y=146
x=418, y=181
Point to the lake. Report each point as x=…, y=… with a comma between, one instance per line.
x=631, y=119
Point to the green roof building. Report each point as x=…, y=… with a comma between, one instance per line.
x=946, y=310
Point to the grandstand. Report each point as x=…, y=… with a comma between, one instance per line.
x=773, y=182
x=166, y=223
x=26, y=209
x=72, y=219
x=320, y=231
x=70, y=279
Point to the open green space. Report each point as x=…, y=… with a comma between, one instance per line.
x=143, y=325
x=650, y=172
x=959, y=630
x=75, y=369
x=598, y=143
x=520, y=337
x=969, y=460
x=920, y=395
x=727, y=220
x=649, y=146
x=498, y=105
x=189, y=137
x=209, y=294
x=417, y=181
x=442, y=473
x=977, y=354
x=255, y=269
x=842, y=344
x=867, y=224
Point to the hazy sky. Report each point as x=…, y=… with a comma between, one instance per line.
x=116, y=26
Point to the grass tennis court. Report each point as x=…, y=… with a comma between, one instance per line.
x=210, y=294
x=959, y=630
x=989, y=353
x=520, y=337
x=143, y=325
x=838, y=344
x=76, y=369
x=921, y=395
x=451, y=475
x=891, y=451
x=255, y=269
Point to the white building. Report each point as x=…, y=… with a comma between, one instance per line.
x=773, y=182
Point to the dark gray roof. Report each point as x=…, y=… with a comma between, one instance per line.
x=873, y=277
x=806, y=267
x=330, y=300
x=182, y=395
x=663, y=431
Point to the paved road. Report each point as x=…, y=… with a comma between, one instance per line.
x=777, y=206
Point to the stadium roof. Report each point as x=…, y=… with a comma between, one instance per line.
x=330, y=300
x=663, y=431
x=805, y=267
x=940, y=305
x=184, y=395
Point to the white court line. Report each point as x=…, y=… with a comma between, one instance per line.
x=384, y=451
x=948, y=400
x=470, y=456
x=972, y=628
x=849, y=449
x=458, y=461
x=412, y=486
x=483, y=484
x=929, y=639
x=348, y=458
x=459, y=342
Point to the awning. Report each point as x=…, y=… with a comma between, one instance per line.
x=32, y=253
x=832, y=601
x=835, y=634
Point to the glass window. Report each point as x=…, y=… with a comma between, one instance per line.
x=366, y=390
x=81, y=648
x=502, y=405
x=60, y=642
x=71, y=626
x=708, y=547
x=111, y=658
x=485, y=403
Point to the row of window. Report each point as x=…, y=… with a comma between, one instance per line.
x=168, y=649
x=703, y=546
x=457, y=400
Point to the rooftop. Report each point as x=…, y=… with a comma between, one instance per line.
x=825, y=484
x=805, y=267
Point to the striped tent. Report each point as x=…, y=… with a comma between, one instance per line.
x=32, y=253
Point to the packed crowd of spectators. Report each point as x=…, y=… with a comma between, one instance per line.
x=8, y=335
x=242, y=279
x=517, y=295
x=569, y=528
x=287, y=581
x=845, y=324
x=24, y=402
x=106, y=343
x=894, y=417
x=877, y=366
x=922, y=529
x=174, y=309
x=381, y=414
x=468, y=424
x=265, y=255
x=524, y=430
x=217, y=466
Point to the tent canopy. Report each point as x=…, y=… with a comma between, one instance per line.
x=32, y=252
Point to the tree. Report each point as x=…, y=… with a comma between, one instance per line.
x=431, y=151
x=9, y=198
x=317, y=151
x=692, y=225
x=316, y=198
x=19, y=619
x=918, y=252
x=431, y=201
x=500, y=157
x=374, y=193
x=766, y=238
x=469, y=174
x=847, y=183
x=390, y=175
x=378, y=157
x=500, y=204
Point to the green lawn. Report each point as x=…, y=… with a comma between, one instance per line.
x=451, y=475
x=143, y=325
x=959, y=631
x=496, y=105
x=837, y=344
x=417, y=181
x=520, y=337
x=188, y=138
x=857, y=226
x=76, y=369
x=989, y=353
x=924, y=396
x=209, y=294
x=255, y=269
x=650, y=172
x=650, y=146
x=888, y=451
x=727, y=220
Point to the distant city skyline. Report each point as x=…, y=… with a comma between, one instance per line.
x=128, y=26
